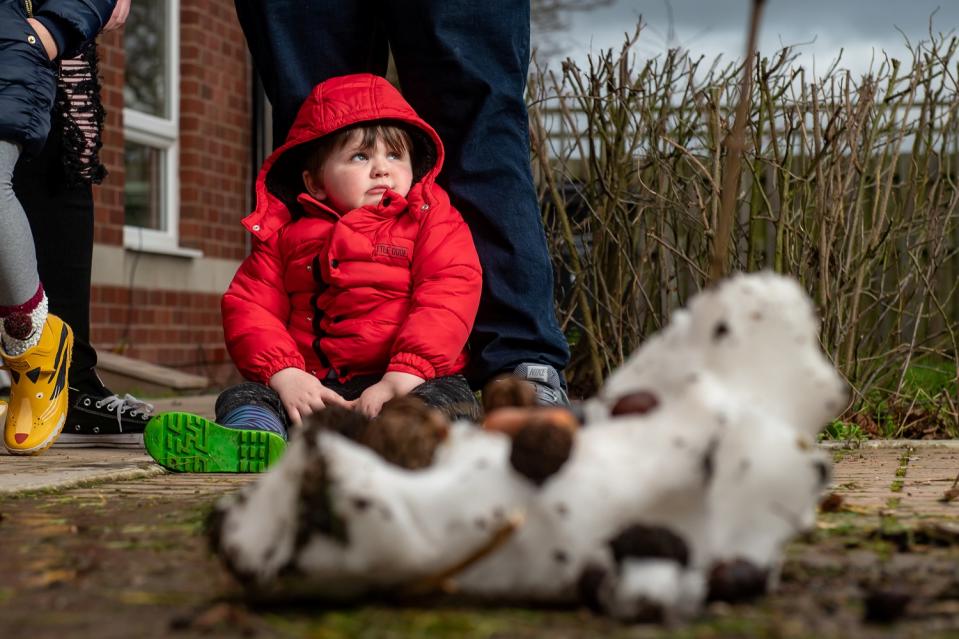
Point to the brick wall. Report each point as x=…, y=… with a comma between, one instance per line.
x=175, y=328
x=172, y=327
x=214, y=128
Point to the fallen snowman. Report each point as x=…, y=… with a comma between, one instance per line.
x=696, y=463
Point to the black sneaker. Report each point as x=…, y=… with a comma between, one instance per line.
x=107, y=422
x=547, y=383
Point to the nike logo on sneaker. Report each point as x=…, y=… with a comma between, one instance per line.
x=538, y=373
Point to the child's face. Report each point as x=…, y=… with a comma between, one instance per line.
x=352, y=177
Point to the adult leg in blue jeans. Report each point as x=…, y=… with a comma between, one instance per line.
x=463, y=66
x=296, y=45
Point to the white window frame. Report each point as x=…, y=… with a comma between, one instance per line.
x=162, y=133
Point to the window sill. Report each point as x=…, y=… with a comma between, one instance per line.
x=137, y=240
x=172, y=251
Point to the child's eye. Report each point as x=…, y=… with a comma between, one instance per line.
x=394, y=155
x=359, y=156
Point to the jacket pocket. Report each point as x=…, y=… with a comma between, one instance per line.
x=38, y=48
x=29, y=33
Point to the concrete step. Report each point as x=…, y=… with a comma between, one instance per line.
x=124, y=375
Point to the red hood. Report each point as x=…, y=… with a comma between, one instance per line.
x=332, y=105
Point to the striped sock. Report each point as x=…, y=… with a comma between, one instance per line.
x=254, y=417
x=22, y=325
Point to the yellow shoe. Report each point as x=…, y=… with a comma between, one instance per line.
x=38, y=393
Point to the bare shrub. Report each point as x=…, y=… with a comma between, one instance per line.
x=847, y=183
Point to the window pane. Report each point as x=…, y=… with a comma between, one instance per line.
x=144, y=186
x=145, y=41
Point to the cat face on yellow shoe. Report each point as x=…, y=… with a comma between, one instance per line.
x=38, y=394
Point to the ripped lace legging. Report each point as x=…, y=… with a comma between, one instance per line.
x=18, y=259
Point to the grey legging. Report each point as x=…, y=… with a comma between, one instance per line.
x=18, y=259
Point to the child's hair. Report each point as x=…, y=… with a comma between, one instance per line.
x=395, y=138
x=285, y=179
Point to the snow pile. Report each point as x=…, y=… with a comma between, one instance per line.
x=695, y=466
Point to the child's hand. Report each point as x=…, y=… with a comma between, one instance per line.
x=119, y=16
x=392, y=385
x=302, y=394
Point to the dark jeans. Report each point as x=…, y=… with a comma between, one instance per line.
x=462, y=65
x=451, y=395
x=61, y=218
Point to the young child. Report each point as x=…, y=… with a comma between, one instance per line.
x=362, y=285
x=35, y=346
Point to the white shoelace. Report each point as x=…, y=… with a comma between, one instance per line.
x=121, y=404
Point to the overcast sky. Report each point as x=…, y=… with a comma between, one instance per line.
x=820, y=28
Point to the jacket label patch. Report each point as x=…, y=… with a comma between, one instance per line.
x=389, y=250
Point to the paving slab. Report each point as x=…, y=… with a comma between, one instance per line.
x=928, y=475
x=909, y=480
x=64, y=468
x=906, y=476
x=59, y=468
x=864, y=477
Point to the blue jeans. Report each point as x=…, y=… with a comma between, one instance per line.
x=462, y=65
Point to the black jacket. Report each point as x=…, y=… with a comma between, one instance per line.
x=27, y=76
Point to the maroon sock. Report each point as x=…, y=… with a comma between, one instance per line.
x=21, y=322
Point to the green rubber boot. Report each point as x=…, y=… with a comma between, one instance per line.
x=184, y=442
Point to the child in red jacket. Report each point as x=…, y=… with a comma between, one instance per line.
x=362, y=285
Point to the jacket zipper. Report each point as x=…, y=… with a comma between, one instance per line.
x=29, y=5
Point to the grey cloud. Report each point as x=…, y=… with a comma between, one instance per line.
x=719, y=26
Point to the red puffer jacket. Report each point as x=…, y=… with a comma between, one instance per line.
x=392, y=287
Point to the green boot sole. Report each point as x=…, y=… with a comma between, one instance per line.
x=184, y=442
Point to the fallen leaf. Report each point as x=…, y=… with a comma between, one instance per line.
x=831, y=503
x=950, y=495
x=218, y=616
x=50, y=577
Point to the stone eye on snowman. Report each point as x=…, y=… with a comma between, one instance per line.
x=695, y=464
